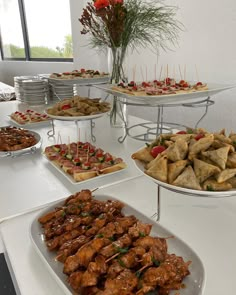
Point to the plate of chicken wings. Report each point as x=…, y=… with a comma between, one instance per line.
x=96, y=244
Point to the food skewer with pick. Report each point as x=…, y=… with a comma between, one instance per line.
x=105, y=252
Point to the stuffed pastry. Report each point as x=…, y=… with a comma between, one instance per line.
x=200, y=145
x=212, y=185
x=225, y=175
x=187, y=179
x=231, y=160
x=143, y=155
x=159, y=170
x=219, y=156
x=177, y=151
x=174, y=169
x=204, y=170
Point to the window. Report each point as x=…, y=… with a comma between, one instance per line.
x=41, y=30
x=11, y=32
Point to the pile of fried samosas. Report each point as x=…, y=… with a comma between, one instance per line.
x=193, y=159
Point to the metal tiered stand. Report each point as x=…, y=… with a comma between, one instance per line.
x=59, y=88
x=150, y=130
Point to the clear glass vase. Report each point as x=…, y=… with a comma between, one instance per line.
x=116, y=59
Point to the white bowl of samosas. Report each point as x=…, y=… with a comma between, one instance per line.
x=193, y=161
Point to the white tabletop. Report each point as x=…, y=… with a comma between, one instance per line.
x=207, y=225
x=30, y=181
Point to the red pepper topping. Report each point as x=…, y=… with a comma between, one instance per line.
x=65, y=107
x=181, y=132
x=199, y=136
x=156, y=150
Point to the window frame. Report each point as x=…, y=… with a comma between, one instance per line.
x=24, y=28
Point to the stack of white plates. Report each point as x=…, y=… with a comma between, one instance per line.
x=60, y=91
x=31, y=89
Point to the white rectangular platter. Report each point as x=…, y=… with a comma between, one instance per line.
x=170, y=98
x=194, y=283
x=31, y=124
x=71, y=179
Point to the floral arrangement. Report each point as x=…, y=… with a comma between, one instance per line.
x=119, y=24
x=134, y=23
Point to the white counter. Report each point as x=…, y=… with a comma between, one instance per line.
x=30, y=181
x=207, y=225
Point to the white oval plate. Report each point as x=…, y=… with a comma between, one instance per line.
x=28, y=150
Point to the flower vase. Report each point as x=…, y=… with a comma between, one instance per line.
x=118, y=114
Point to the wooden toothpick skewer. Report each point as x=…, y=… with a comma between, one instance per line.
x=69, y=144
x=155, y=71
x=181, y=77
x=160, y=74
x=58, y=137
x=115, y=255
x=185, y=72
x=141, y=69
x=134, y=73
x=197, y=73
x=173, y=72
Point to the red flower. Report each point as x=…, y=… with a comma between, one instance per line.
x=101, y=4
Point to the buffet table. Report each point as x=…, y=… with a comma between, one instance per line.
x=29, y=184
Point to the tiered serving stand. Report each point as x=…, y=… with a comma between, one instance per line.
x=152, y=129
x=56, y=84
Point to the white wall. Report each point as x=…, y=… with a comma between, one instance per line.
x=207, y=42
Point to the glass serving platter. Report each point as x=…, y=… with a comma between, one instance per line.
x=25, y=151
x=185, y=191
x=169, y=98
x=194, y=283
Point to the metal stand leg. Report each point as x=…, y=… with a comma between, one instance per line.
x=51, y=133
x=157, y=214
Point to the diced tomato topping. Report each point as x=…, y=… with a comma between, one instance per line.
x=199, y=136
x=145, y=84
x=99, y=155
x=135, y=88
x=185, y=85
x=181, y=132
x=168, y=80
x=156, y=150
x=82, y=70
x=199, y=83
x=63, y=153
x=181, y=82
x=164, y=88
x=76, y=160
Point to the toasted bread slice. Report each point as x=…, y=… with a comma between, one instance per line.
x=113, y=168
